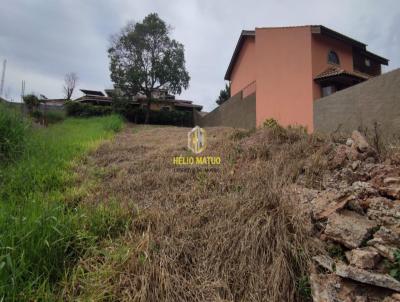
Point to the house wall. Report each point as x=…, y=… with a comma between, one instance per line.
x=320, y=47
x=243, y=72
x=284, y=75
x=237, y=112
x=360, y=106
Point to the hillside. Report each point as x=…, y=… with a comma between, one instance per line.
x=284, y=213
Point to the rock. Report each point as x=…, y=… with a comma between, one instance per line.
x=340, y=156
x=358, y=274
x=349, y=142
x=348, y=228
x=352, y=153
x=324, y=287
x=361, y=189
x=363, y=276
x=327, y=203
x=384, y=211
x=391, y=187
x=355, y=164
x=325, y=262
x=386, y=236
x=380, y=172
x=391, y=191
x=370, y=160
x=385, y=251
x=359, y=141
x=391, y=181
x=392, y=298
x=365, y=258
x=386, y=242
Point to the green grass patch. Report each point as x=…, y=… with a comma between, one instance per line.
x=41, y=236
x=14, y=130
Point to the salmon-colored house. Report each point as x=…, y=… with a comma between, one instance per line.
x=289, y=67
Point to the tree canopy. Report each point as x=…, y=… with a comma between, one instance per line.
x=143, y=58
x=224, y=94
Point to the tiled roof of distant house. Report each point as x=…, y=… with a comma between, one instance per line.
x=336, y=71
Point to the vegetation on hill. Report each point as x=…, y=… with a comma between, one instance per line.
x=42, y=232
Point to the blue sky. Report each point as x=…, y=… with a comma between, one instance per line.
x=42, y=40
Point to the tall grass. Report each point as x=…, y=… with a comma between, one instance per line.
x=13, y=133
x=40, y=236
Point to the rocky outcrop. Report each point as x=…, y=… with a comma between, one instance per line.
x=358, y=211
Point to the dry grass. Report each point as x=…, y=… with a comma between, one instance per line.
x=236, y=233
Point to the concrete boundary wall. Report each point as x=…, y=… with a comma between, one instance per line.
x=237, y=112
x=360, y=106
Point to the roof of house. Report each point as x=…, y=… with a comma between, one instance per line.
x=244, y=34
x=315, y=29
x=54, y=102
x=333, y=71
x=92, y=92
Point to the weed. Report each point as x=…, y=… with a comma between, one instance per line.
x=394, y=267
x=336, y=251
x=14, y=131
x=304, y=288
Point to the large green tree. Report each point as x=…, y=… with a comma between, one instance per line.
x=143, y=57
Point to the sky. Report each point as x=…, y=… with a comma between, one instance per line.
x=43, y=40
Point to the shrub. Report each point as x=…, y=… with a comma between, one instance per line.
x=133, y=113
x=52, y=117
x=114, y=123
x=74, y=108
x=271, y=123
x=48, y=117
x=394, y=268
x=31, y=101
x=13, y=133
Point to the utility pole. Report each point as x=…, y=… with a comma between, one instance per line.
x=3, y=75
x=22, y=90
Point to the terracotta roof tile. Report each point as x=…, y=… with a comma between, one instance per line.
x=335, y=71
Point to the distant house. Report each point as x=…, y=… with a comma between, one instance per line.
x=94, y=97
x=281, y=71
x=161, y=100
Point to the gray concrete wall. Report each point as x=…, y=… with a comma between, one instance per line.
x=360, y=106
x=237, y=112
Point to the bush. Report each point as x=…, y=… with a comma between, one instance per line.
x=13, y=133
x=52, y=117
x=74, y=108
x=48, y=117
x=31, y=101
x=114, y=123
x=133, y=113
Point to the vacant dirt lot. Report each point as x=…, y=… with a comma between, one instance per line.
x=233, y=232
